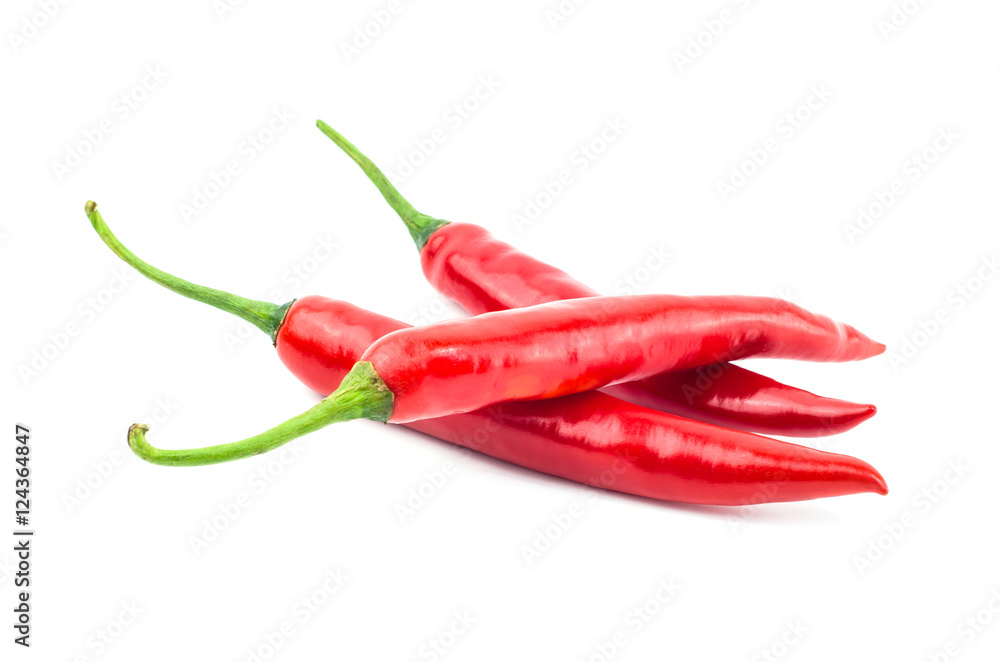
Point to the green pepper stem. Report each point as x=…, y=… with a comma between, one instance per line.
x=264, y=315
x=362, y=394
x=421, y=226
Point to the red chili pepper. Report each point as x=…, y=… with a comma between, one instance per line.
x=542, y=352
x=590, y=438
x=468, y=265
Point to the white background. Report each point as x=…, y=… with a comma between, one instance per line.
x=809, y=581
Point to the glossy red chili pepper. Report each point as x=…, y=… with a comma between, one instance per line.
x=590, y=438
x=483, y=274
x=542, y=352
x=577, y=345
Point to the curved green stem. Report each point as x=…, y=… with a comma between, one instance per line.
x=362, y=394
x=421, y=226
x=264, y=315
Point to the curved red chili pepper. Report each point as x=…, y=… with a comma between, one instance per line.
x=742, y=400
x=590, y=438
x=541, y=352
x=483, y=274
x=577, y=345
